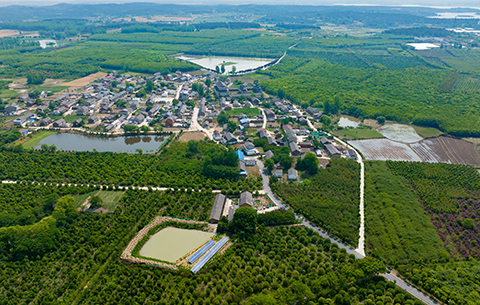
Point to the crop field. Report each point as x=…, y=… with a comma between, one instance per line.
x=250, y=112
x=425, y=153
x=459, y=151
x=467, y=84
x=385, y=149
x=434, y=148
x=447, y=150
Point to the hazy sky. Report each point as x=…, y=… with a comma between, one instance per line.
x=436, y=3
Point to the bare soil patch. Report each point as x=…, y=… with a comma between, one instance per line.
x=85, y=80
x=371, y=123
x=434, y=148
x=50, y=82
x=459, y=151
x=448, y=150
x=253, y=171
x=18, y=83
x=8, y=33
x=196, y=135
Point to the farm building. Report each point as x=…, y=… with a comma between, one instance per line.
x=246, y=199
x=24, y=118
x=217, y=208
x=332, y=151
x=351, y=154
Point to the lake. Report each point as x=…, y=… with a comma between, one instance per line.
x=348, y=121
x=423, y=46
x=128, y=144
x=171, y=243
x=44, y=43
x=241, y=63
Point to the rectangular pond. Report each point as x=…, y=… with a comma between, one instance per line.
x=128, y=144
x=171, y=243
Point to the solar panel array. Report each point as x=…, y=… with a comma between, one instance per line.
x=209, y=255
x=200, y=252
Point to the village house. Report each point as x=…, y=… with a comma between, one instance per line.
x=292, y=174
x=246, y=199
x=277, y=173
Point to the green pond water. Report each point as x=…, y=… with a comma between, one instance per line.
x=171, y=243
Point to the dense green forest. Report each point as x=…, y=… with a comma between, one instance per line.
x=283, y=265
x=180, y=165
x=451, y=282
x=26, y=204
x=329, y=199
x=407, y=94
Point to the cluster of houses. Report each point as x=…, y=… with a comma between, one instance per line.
x=225, y=88
x=99, y=105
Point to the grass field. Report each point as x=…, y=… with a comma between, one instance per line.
x=69, y=118
x=250, y=112
x=52, y=88
x=110, y=198
x=427, y=132
x=249, y=78
x=7, y=93
x=357, y=133
x=35, y=139
x=397, y=227
x=80, y=199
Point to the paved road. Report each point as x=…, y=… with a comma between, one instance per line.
x=410, y=289
x=194, y=126
x=264, y=125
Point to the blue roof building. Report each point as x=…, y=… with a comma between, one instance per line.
x=240, y=155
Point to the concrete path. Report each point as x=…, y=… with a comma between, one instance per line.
x=264, y=125
x=194, y=126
